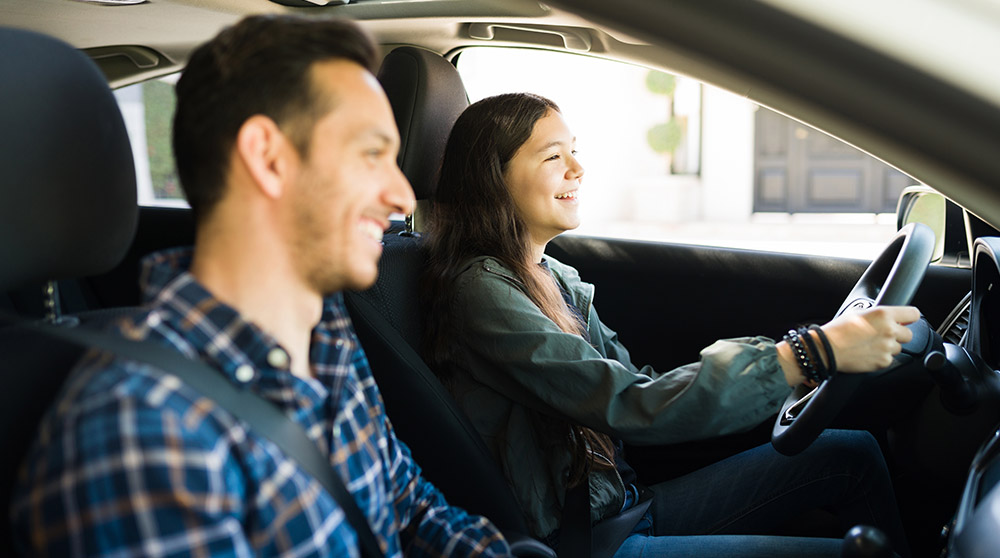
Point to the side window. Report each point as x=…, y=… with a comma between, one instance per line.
x=148, y=109
x=670, y=159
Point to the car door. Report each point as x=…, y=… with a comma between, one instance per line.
x=668, y=301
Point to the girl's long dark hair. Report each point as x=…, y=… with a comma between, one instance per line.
x=474, y=215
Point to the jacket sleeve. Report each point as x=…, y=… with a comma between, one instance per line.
x=509, y=345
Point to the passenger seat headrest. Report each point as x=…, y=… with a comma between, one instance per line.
x=68, y=192
x=427, y=96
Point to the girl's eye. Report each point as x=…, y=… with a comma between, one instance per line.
x=574, y=152
x=553, y=157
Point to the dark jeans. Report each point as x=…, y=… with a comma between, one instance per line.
x=733, y=508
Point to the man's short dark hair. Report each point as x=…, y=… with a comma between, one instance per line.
x=261, y=65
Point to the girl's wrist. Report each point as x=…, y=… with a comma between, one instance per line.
x=788, y=363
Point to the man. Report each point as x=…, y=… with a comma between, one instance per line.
x=286, y=148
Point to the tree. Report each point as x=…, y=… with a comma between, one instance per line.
x=665, y=137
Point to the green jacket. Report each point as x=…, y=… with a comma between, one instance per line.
x=518, y=376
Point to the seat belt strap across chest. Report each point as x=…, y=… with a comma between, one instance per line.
x=263, y=417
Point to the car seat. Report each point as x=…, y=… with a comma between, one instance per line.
x=427, y=95
x=67, y=210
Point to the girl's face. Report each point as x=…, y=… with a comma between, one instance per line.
x=544, y=177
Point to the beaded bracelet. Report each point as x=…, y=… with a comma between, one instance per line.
x=801, y=355
x=821, y=371
x=831, y=362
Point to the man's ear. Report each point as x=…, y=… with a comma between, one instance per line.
x=264, y=150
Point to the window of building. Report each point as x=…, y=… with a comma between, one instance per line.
x=148, y=109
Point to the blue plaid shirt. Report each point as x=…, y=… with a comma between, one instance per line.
x=131, y=462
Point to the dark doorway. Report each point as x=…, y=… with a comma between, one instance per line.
x=801, y=170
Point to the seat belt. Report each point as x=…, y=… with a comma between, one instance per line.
x=263, y=417
x=575, y=538
x=578, y=537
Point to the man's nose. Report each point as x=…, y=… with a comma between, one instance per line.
x=399, y=194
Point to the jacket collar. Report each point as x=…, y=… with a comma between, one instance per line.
x=581, y=292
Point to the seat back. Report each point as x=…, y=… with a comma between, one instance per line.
x=67, y=210
x=442, y=439
x=427, y=95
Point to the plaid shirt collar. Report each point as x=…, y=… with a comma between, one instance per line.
x=220, y=336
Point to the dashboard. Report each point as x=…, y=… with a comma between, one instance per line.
x=976, y=527
x=984, y=318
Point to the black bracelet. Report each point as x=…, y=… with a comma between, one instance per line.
x=821, y=371
x=801, y=355
x=831, y=361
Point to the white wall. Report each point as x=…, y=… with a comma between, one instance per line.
x=727, y=156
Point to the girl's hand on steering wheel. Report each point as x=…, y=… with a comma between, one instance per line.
x=868, y=340
x=863, y=341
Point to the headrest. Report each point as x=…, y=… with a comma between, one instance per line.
x=68, y=191
x=427, y=95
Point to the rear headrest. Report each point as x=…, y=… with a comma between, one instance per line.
x=427, y=95
x=67, y=180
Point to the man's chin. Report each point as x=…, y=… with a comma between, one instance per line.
x=361, y=279
x=356, y=281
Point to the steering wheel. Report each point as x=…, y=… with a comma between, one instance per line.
x=891, y=279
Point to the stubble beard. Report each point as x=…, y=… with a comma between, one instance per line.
x=312, y=243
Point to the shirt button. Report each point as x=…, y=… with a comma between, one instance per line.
x=277, y=358
x=244, y=373
x=154, y=320
x=339, y=344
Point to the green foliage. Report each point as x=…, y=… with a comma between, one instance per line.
x=664, y=138
x=158, y=97
x=661, y=83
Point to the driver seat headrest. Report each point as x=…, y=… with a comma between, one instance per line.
x=427, y=96
x=68, y=196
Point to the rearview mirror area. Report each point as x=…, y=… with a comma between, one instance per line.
x=921, y=204
x=950, y=223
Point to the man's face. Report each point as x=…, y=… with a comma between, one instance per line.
x=348, y=184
